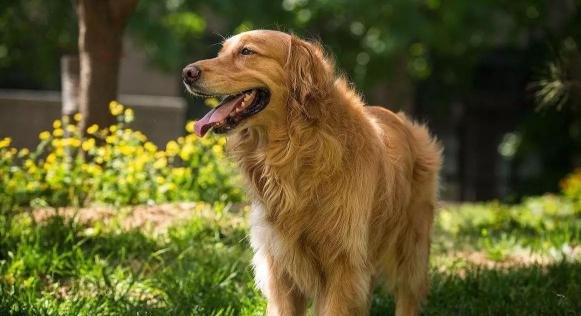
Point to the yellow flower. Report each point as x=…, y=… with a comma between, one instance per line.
x=190, y=126
x=57, y=124
x=93, y=169
x=140, y=162
x=57, y=143
x=218, y=150
x=129, y=116
x=113, y=128
x=107, y=154
x=111, y=139
x=179, y=172
x=160, y=163
x=172, y=148
x=75, y=142
x=77, y=117
x=187, y=151
x=71, y=128
x=211, y=102
x=28, y=163
x=58, y=132
x=44, y=135
x=150, y=147
x=51, y=158
x=30, y=166
x=93, y=129
x=115, y=108
x=126, y=150
x=159, y=180
x=140, y=136
x=66, y=142
x=88, y=144
x=5, y=142
x=24, y=152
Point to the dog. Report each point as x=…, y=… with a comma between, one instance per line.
x=343, y=194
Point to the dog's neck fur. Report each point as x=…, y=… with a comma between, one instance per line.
x=286, y=165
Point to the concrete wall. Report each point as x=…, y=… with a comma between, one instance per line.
x=138, y=76
x=25, y=113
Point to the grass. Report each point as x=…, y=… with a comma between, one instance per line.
x=488, y=259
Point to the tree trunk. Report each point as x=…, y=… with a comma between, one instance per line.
x=70, y=84
x=101, y=26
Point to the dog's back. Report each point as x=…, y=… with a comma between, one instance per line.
x=424, y=149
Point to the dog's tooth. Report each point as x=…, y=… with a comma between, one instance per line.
x=251, y=95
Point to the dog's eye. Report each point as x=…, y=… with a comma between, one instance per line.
x=246, y=51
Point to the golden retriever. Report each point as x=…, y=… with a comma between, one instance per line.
x=343, y=194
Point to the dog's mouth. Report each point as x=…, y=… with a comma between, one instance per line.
x=232, y=110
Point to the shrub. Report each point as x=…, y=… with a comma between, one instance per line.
x=114, y=165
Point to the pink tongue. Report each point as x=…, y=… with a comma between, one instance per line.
x=216, y=115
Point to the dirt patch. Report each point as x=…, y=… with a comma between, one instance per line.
x=463, y=260
x=156, y=219
x=151, y=218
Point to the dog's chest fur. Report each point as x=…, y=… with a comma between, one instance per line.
x=279, y=254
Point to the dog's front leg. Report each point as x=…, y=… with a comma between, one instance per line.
x=283, y=296
x=346, y=292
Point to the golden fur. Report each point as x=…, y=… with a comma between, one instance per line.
x=343, y=194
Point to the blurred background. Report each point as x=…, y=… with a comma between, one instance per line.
x=497, y=81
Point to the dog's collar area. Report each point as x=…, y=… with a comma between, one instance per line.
x=232, y=110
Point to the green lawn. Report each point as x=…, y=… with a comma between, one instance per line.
x=487, y=259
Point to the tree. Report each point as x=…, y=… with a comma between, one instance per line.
x=101, y=26
x=28, y=60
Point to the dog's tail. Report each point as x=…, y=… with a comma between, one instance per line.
x=427, y=152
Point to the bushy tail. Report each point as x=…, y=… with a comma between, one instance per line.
x=427, y=150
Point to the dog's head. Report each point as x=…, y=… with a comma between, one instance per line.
x=262, y=77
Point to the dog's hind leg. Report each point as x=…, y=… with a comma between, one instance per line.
x=411, y=277
x=346, y=293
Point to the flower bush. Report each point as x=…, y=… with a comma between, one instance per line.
x=114, y=165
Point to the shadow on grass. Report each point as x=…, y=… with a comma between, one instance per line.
x=59, y=246
x=200, y=268
x=533, y=290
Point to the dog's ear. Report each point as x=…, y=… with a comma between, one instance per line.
x=310, y=76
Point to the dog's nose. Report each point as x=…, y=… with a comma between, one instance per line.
x=191, y=73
